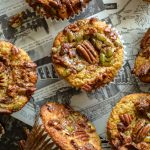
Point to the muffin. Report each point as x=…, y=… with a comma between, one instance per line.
x=58, y=9
x=87, y=53
x=128, y=127
x=68, y=128
x=142, y=62
x=17, y=78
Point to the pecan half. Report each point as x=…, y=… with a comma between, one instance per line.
x=2, y=67
x=6, y=100
x=146, y=52
x=146, y=39
x=142, y=146
x=121, y=127
x=15, y=50
x=2, y=81
x=72, y=27
x=56, y=124
x=143, y=133
x=81, y=134
x=30, y=64
x=58, y=60
x=143, y=69
x=88, y=146
x=74, y=144
x=87, y=87
x=89, y=53
x=12, y=90
x=116, y=143
x=126, y=119
x=140, y=124
x=124, y=139
x=142, y=105
x=90, y=31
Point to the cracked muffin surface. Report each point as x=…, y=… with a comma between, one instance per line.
x=128, y=127
x=17, y=78
x=142, y=62
x=68, y=128
x=58, y=9
x=88, y=54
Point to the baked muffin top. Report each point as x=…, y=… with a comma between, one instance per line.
x=68, y=128
x=128, y=127
x=142, y=62
x=17, y=77
x=58, y=9
x=87, y=53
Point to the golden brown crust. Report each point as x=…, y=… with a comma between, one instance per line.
x=142, y=62
x=68, y=128
x=63, y=9
x=88, y=54
x=17, y=78
x=128, y=126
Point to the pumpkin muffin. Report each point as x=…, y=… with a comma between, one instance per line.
x=17, y=78
x=128, y=127
x=58, y=9
x=142, y=62
x=68, y=128
x=88, y=54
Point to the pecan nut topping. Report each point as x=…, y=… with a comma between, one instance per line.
x=2, y=67
x=121, y=127
x=143, y=105
x=142, y=146
x=143, y=133
x=15, y=50
x=87, y=50
x=81, y=134
x=71, y=27
x=144, y=69
x=56, y=124
x=140, y=124
x=126, y=119
x=146, y=40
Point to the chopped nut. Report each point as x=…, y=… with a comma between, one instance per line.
x=65, y=48
x=126, y=119
x=87, y=50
